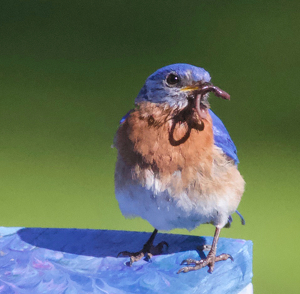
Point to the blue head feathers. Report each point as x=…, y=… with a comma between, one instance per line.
x=166, y=84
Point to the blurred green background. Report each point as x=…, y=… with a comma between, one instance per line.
x=69, y=70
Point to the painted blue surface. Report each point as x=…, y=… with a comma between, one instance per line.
x=34, y=260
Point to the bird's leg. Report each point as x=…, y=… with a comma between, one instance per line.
x=148, y=250
x=209, y=260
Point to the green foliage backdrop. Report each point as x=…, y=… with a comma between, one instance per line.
x=69, y=70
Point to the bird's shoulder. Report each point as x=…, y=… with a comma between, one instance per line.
x=222, y=138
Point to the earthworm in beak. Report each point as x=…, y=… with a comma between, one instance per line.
x=203, y=90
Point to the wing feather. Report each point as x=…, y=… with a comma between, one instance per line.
x=222, y=138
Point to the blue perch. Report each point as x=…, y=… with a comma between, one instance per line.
x=36, y=260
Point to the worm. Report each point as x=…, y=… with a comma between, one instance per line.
x=209, y=88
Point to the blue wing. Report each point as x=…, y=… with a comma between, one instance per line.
x=125, y=116
x=222, y=138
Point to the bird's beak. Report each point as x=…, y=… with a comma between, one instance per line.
x=191, y=88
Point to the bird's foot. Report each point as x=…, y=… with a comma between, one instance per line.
x=148, y=251
x=208, y=261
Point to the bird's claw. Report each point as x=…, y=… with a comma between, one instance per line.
x=145, y=252
x=191, y=261
x=124, y=253
x=224, y=256
x=134, y=256
x=198, y=264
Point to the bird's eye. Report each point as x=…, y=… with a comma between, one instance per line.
x=172, y=79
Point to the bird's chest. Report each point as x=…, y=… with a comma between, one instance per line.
x=155, y=146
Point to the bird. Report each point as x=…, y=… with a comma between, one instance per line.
x=177, y=166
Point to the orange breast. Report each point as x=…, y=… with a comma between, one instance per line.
x=151, y=139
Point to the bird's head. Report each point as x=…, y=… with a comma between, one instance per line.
x=179, y=85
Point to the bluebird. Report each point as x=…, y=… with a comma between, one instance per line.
x=177, y=165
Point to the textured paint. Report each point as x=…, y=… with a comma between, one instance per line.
x=35, y=261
